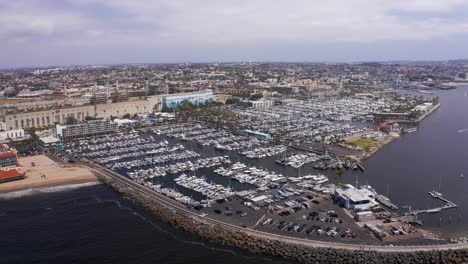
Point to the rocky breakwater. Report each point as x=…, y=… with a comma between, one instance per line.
x=259, y=244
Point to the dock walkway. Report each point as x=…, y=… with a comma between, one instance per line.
x=448, y=205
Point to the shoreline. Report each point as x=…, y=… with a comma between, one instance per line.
x=306, y=251
x=367, y=154
x=43, y=172
x=47, y=185
x=46, y=189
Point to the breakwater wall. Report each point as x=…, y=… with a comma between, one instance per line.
x=262, y=244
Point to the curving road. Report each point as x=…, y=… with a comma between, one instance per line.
x=290, y=240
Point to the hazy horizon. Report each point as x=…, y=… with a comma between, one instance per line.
x=37, y=33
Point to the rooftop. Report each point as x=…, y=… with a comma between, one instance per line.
x=10, y=174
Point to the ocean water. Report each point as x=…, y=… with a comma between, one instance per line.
x=95, y=224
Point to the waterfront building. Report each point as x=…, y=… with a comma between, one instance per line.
x=10, y=175
x=8, y=157
x=356, y=199
x=90, y=128
x=173, y=101
x=11, y=134
x=424, y=108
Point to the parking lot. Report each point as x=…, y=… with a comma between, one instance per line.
x=307, y=216
x=323, y=220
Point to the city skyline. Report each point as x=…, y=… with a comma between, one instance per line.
x=42, y=33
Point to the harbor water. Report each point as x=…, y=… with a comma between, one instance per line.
x=435, y=157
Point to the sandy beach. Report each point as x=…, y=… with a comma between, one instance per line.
x=47, y=173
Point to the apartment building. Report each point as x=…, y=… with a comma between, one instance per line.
x=90, y=128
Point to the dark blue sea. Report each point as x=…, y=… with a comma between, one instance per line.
x=95, y=224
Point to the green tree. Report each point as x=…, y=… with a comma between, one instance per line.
x=232, y=101
x=156, y=107
x=256, y=96
x=337, y=178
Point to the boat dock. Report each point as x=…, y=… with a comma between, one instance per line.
x=436, y=195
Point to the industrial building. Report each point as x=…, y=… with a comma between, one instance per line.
x=90, y=128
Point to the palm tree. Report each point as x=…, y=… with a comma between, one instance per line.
x=337, y=177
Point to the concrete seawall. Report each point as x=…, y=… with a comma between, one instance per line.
x=259, y=243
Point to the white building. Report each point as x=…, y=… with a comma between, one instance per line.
x=90, y=128
x=425, y=107
x=261, y=103
x=11, y=134
x=356, y=199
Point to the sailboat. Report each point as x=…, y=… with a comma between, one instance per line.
x=437, y=193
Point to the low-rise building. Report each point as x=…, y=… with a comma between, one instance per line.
x=424, y=108
x=90, y=128
x=222, y=98
x=10, y=175
x=8, y=157
x=173, y=101
x=356, y=199
x=261, y=103
x=11, y=134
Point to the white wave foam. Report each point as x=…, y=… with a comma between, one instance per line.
x=67, y=187
x=28, y=192
x=17, y=194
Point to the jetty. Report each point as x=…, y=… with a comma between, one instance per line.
x=448, y=205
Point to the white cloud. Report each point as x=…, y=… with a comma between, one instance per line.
x=298, y=21
x=31, y=19
x=168, y=25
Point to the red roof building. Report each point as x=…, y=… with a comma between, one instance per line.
x=7, y=156
x=10, y=175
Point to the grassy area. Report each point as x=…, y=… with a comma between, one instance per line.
x=365, y=144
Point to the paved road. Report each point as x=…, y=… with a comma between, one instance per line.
x=304, y=242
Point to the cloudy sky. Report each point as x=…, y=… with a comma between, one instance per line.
x=58, y=32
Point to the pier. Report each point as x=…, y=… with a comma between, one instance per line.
x=436, y=195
